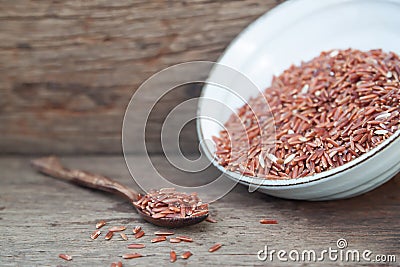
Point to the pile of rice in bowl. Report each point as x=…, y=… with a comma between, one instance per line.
x=326, y=112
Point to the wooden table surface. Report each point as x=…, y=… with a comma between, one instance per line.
x=68, y=70
x=41, y=218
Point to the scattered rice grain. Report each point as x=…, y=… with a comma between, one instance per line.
x=215, y=247
x=100, y=224
x=158, y=239
x=132, y=255
x=95, y=234
x=136, y=246
x=65, y=257
x=117, y=228
x=185, y=238
x=109, y=235
x=186, y=255
x=267, y=221
x=124, y=236
x=172, y=256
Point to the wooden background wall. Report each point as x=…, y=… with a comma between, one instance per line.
x=69, y=68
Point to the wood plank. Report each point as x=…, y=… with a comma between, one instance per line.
x=68, y=70
x=41, y=217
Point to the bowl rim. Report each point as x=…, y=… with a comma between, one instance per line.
x=250, y=180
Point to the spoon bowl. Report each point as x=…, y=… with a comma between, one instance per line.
x=173, y=222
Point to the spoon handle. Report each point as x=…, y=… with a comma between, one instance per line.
x=52, y=167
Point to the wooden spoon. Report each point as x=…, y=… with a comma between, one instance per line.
x=52, y=167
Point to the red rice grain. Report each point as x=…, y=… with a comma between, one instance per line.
x=172, y=256
x=124, y=236
x=174, y=240
x=132, y=255
x=139, y=234
x=136, y=246
x=266, y=221
x=186, y=255
x=158, y=239
x=109, y=235
x=136, y=229
x=215, y=247
x=100, y=224
x=117, y=229
x=185, y=238
x=95, y=234
x=65, y=257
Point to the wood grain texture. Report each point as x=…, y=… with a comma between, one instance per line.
x=41, y=217
x=68, y=69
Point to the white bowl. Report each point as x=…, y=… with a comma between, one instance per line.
x=292, y=32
